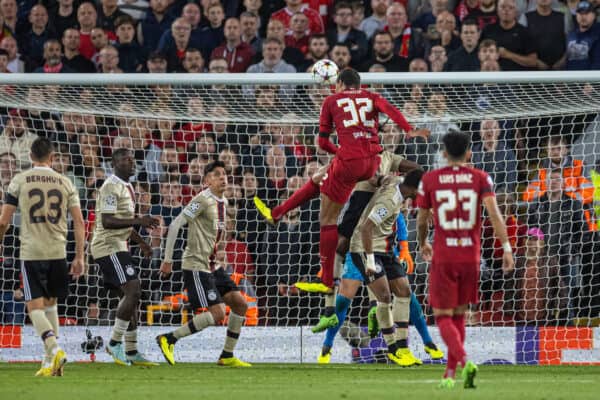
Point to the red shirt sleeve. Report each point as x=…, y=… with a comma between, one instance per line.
x=326, y=117
x=395, y=114
x=423, y=196
x=487, y=186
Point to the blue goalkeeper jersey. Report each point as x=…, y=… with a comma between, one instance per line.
x=401, y=232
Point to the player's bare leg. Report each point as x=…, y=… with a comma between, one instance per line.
x=381, y=290
x=43, y=327
x=307, y=192
x=166, y=342
x=330, y=210
x=401, y=313
x=126, y=310
x=235, y=321
x=447, y=321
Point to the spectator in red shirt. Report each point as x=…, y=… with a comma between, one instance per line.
x=297, y=35
x=86, y=16
x=237, y=53
x=315, y=23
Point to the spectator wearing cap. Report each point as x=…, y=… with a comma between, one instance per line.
x=131, y=55
x=515, y=45
x=53, y=59
x=465, y=57
x=377, y=20
x=154, y=24
x=383, y=54
x=4, y=62
x=547, y=28
x=32, y=41
x=86, y=17
x=108, y=11
x=343, y=32
x=237, y=53
x=17, y=139
x=250, y=23
x=583, y=43
x=156, y=63
x=71, y=57
x=63, y=17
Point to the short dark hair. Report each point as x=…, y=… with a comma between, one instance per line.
x=470, y=21
x=341, y=5
x=316, y=36
x=413, y=178
x=124, y=19
x=41, y=148
x=485, y=43
x=120, y=152
x=456, y=144
x=383, y=33
x=349, y=78
x=212, y=166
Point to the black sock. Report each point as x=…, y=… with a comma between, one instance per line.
x=131, y=352
x=226, y=354
x=113, y=342
x=402, y=343
x=325, y=350
x=373, y=304
x=393, y=348
x=171, y=338
x=431, y=345
x=329, y=311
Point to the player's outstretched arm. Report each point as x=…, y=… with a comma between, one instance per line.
x=491, y=206
x=8, y=211
x=167, y=264
x=78, y=264
x=109, y=221
x=423, y=218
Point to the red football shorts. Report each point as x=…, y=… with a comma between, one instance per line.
x=453, y=285
x=342, y=176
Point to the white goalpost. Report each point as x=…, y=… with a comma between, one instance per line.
x=534, y=133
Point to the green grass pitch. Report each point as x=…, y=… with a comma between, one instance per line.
x=293, y=381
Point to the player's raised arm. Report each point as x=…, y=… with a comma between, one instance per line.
x=397, y=116
x=491, y=206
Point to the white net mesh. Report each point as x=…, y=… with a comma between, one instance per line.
x=265, y=132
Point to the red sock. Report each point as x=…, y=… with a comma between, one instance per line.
x=307, y=192
x=327, y=246
x=459, y=323
x=451, y=336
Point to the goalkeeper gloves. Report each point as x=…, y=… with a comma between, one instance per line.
x=404, y=255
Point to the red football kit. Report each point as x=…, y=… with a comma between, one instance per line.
x=455, y=195
x=354, y=113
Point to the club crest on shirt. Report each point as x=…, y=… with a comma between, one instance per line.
x=212, y=295
x=381, y=212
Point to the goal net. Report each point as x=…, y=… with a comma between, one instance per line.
x=537, y=135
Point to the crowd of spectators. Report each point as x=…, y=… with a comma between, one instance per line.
x=545, y=193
